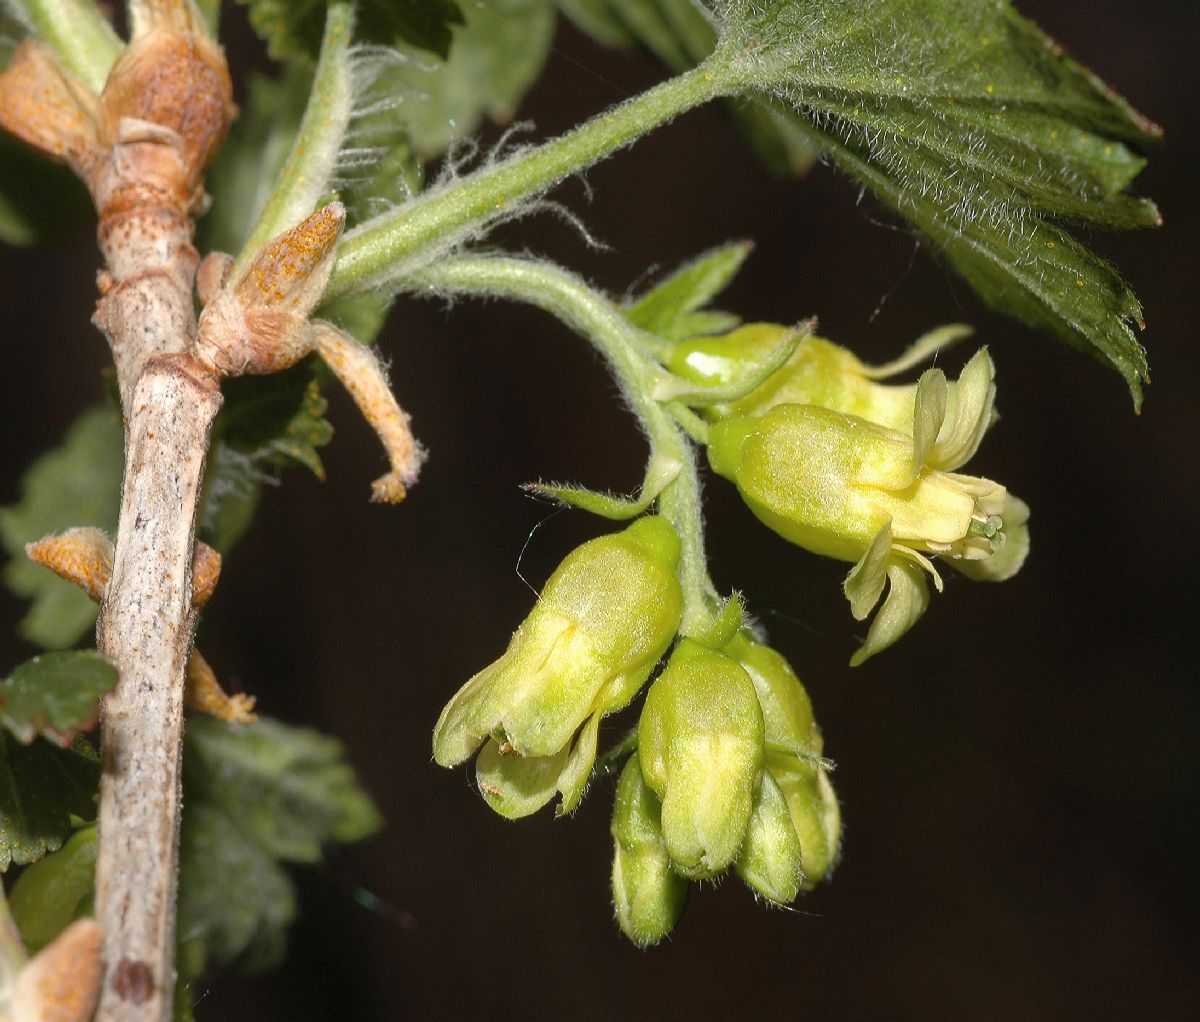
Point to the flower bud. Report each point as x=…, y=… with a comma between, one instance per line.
x=819, y=372
x=771, y=862
x=700, y=741
x=796, y=828
x=647, y=893
x=603, y=620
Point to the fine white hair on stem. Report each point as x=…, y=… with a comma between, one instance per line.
x=309, y=169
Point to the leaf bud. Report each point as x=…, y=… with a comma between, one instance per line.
x=647, y=893
x=700, y=741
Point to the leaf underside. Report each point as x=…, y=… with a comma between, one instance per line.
x=256, y=797
x=293, y=28
x=969, y=121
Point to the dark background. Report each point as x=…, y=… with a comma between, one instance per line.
x=1018, y=777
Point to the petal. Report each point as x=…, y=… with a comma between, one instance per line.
x=907, y=599
x=770, y=862
x=929, y=412
x=573, y=780
x=1006, y=560
x=516, y=786
x=974, y=407
x=864, y=584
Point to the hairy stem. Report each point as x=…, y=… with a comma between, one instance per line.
x=595, y=317
x=78, y=33
x=397, y=242
x=305, y=175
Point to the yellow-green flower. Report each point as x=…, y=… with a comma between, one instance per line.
x=818, y=372
x=847, y=487
x=603, y=620
x=700, y=745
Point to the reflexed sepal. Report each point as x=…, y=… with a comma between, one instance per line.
x=701, y=751
x=660, y=472
x=647, y=893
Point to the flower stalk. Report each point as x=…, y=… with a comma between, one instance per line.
x=595, y=317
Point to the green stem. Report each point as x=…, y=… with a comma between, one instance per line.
x=393, y=244
x=592, y=315
x=304, y=177
x=79, y=34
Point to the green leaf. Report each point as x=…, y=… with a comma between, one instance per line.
x=669, y=310
x=497, y=55
x=422, y=23
x=56, y=890
x=56, y=695
x=293, y=28
x=290, y=789
x=1034, y=271
x=265, y=424
x=235, y=900
x=42, y=787
x=973, y=124
x=255, y=796
x=77, y=483
x=597, y=19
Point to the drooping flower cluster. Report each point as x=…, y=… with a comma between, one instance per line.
x=725, y=769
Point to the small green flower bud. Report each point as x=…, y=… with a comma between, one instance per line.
x=700, y=741
x=819, y=372
x=851, y=489
x=771, y=862
x=816, y=816
x=647, y=893
x=604, y=618
x=807, y=847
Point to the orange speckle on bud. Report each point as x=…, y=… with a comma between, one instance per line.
x=206, y=569
x=258, y=323
x=177, y=81
x=45, y=107
x=62, y=981
x=202, y=692
x=83, y=556
x=363, y=376
x=292, y=270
